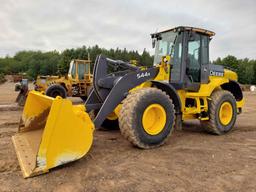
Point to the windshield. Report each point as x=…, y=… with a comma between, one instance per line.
x=164, y=45
x=83, y=69
x=72, y=69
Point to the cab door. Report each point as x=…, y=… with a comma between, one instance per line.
x=193, y=60
x=197, y=61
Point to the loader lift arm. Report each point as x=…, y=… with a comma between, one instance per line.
x=110, y=89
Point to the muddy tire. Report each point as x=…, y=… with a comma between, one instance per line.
x=145, y=133
x=222, y=113
x=56, y=90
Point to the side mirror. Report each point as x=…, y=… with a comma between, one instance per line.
x=153, y=43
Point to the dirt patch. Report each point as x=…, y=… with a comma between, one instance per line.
x=8, y=95
x=10, y=107
x=191, y=160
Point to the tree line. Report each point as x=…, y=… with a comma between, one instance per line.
x=33, y=63
x=245, y=68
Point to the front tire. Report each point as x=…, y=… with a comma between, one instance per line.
x=147, y=117
x=222, y=113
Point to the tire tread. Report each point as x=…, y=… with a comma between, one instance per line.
x=127, y=112
x=210, y=125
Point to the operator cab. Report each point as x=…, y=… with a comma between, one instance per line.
x=188, y=48
x=79, y=69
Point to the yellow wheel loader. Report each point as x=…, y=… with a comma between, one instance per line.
x=77, y=83
x=148, y=103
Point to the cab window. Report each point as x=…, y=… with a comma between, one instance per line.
x=176, y=60
x=81, y=71
x=73, y=71
x=193, y=68
x=205, y=50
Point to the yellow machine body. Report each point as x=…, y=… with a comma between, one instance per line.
x=52, y=132
x=204, y=92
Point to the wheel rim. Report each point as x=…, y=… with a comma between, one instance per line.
x=225, y=113
x=154, y=119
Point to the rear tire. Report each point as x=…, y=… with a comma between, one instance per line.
x=150, y=132
x=107, y=123
x=56, y=90
x=222, y=113
x=83, y=98
x=110, y=124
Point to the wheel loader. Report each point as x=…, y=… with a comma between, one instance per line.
x=22, y=88
x=148, y=102
x=77, y=83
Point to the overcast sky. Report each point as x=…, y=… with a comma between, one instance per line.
x=51, y=24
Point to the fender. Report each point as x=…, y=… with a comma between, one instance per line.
x=171, y=91
x=234, y=88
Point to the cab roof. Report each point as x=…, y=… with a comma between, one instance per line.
x=186, y=28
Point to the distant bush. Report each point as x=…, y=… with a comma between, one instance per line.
x=2, y=78
x=245, y=68
x=35, y=63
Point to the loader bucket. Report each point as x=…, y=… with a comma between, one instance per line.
x=52, y=132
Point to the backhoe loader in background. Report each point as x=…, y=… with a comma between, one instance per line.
x=77, y=83
x=147, y=102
